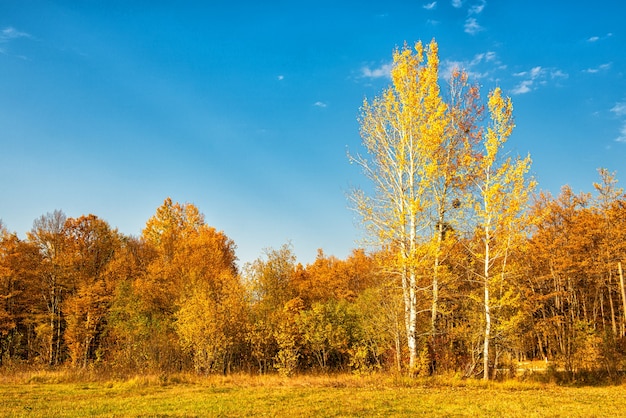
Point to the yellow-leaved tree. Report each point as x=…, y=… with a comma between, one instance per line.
x=419, y=150
x=501, y=198
x=91, y=244
x=190, y=299
x=212, y=316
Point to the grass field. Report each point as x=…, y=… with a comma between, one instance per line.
x=53, y=395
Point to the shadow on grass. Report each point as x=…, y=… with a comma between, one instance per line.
x=580, y=378
x=524, y=379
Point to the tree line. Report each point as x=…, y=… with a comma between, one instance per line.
x=469, y=271
x=77, y=292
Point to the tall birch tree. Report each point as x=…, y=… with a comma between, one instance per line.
x=417, y=146
x=502, y=193
x=449, y=176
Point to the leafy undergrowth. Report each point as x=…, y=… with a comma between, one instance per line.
x=69, y=393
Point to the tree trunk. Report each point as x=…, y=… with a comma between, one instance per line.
x=487, y=307
x=435, y=292
x=621, y=284
x=412, y=322
x=487, y=334
x=613, y=322
x=398, y=354
x=412, y=329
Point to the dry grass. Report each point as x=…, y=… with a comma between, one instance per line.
x=86, y=393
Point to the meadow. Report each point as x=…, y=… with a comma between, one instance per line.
x=59, y=394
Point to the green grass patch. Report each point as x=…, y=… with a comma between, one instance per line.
x=331, y=396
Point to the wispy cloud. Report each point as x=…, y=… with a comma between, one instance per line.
x=532, y=77
x=477, y=8
x=472, y=27
x=535, y=77
x=555, y=74
x=474, y=66
x=10, y=33
x=536, y=72
x=601, y=67
x=622, y=134
x=430, y=6
x=620, y=111
x=280, y=77
x=523, y=87
x=488, y=56
x=595, y=38
x=457, y=4
x=7, y=36
x=383, y=70
x=320, y=104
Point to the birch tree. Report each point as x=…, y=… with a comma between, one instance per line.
x=502, y=192
x=449, y=178
x=417, y=148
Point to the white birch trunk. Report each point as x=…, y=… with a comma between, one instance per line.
x=621, y=284
x=487, y=301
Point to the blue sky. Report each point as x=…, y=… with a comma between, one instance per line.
x=247, y=109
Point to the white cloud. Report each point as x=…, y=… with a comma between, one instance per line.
x=280, y=77
x=383, y=71
x=12, y=33
x=9, y=34
x=448, y=66
x=472, y=27
x=536, y=76
x=536, y=72
x=523, y=87
x=478, y=58
x=477, y=8
x=619, y=109
x=601, y=67
x=475, y=68
x=483, y=57
x=471, y=23
x=490, y=56
x=622, y=134
x=320, y=104
x=594, y=38
x=430, y=6
x=457, y=4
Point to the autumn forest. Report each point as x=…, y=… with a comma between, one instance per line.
x=470, y=269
